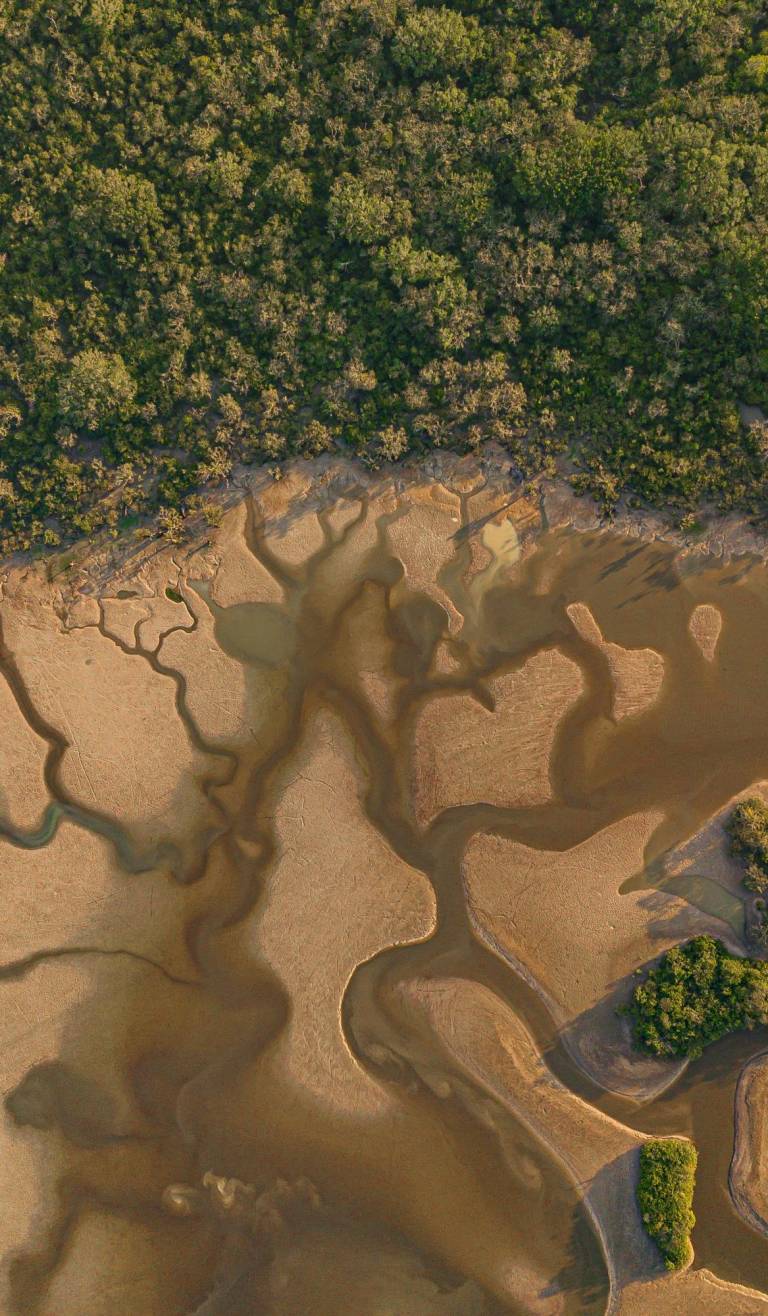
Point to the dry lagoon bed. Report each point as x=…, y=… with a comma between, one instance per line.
x=331, y=844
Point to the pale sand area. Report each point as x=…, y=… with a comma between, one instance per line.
x=464, y=753
x=139, y=622
x=230, y=705
x=456, y=1032
x=239, y=575
x=422, y=539
x=707, y=855
x=334, y=895
x=72, y=892
x=705, y=626
x=637, y=674
x=748, y=1178
x=23, y=792
x=327, y=908
x=288, y=514
x=233, y=705
x=561, y=918
x=693, y=1293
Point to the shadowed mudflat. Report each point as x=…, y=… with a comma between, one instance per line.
x=330, y=847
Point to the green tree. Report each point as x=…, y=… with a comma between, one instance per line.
x=747, y=830
x=96, y=391
x=697, y=994
x=439, y=40
x=665, y=1196
x=117, y=204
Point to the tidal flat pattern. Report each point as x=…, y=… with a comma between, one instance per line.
x=330, y=848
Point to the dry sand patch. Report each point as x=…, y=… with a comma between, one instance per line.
x=72, y=892
x=127, y=752
x=464, y=754
x=637, y=674
x=748, y=1179
x=705, y=626
x=23, y=792
x=240, y=577
x=329, y=907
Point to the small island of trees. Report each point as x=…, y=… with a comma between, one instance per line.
x=697, y=994
x=665, y=1196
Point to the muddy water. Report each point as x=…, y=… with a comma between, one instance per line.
x=198, y=1065
x=700, y=1106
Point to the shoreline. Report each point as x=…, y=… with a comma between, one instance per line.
x=331, y=478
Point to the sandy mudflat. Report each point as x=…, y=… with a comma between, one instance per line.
x=705, y=626
x=748, y=1181
x=23, y=793
x=489, y=1046
x=72, y=892
x=562, y=917
x=637, y=674
x=126, y=752
x=696, y=1291
x=707, y=853
x=335, y=895
x=318, y=832
x=421, y=537
x=465, y=753
x=240, y=577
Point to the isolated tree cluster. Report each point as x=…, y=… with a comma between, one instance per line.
x=240, y=231
x=698, y=993
x=665, y=1196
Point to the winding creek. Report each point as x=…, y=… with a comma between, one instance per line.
x=223, y=1069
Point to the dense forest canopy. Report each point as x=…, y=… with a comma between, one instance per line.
x=244, y=230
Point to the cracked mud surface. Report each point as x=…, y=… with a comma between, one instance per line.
x=329, y=848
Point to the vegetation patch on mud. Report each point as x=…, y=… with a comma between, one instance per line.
x=665, y=1196
x=747, y=829
x=697, y=994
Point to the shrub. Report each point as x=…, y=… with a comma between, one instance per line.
x=432, y=40
x=665, y=1196
x=747, y=829
x=698, y=993
x=97, y=390
x=116, y=204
